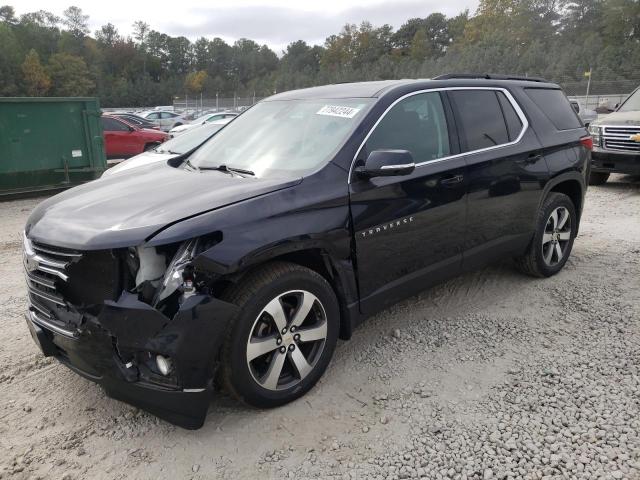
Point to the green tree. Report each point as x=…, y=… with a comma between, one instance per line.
x=69, y=76
x=76, y=21
x=7, y=14
x=10, y=54
x=195, y=81
x=36, y=80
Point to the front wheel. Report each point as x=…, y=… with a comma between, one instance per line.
x=553, y=240
x=283, y=337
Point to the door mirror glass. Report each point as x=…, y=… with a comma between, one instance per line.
x=387, y=163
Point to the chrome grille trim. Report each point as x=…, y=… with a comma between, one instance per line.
x=47, y=296
x=45, y=282
x=49, y=325
x=60, y=253
x=44, y=265
x=41, y=309
x=618, y=137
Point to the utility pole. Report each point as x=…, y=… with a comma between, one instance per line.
x=586, y=101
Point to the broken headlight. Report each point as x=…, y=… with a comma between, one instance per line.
x=179, y=276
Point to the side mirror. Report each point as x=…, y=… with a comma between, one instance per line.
x=387, y=163
x=576, y=107
x=131, y=129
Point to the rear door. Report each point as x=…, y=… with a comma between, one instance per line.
x=167, y=120
x=409, y=230
x=506, y=173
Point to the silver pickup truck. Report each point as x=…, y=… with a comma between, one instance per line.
x=616, y=141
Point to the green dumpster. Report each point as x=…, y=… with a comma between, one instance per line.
x=49, y=143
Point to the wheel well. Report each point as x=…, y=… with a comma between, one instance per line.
x=314, y=259
x=573, y=190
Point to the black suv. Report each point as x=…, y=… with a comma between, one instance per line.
x=242, y=262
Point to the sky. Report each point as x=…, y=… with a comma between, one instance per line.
x=275, y=23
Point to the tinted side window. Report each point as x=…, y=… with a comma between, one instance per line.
x=514, y=124
x=417, y=124
x=555, y=105
x=481, y=117
x=111, y=125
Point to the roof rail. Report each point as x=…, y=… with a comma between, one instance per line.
x=488, y=76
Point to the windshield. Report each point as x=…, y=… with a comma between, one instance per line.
x=189, y=139
x=632, y=104
x=201, y=119
x=283, y=136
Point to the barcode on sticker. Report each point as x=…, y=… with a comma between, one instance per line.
x=338, y=111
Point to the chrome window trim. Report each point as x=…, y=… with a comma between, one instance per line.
x=512, y=100
x=393, y=167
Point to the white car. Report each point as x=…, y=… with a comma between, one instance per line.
x=164, y=119
x=208, y=118
x=169, y=149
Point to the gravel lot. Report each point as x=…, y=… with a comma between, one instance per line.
x=491, y=375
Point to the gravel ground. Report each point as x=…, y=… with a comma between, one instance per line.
x=492, y=375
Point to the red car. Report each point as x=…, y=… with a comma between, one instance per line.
x=122, y=139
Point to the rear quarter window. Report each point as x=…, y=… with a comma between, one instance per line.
x=555, y=105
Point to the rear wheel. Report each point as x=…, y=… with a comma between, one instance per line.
x=598, y=178
x=150, y=146
x=553, y=240
x=283, y=337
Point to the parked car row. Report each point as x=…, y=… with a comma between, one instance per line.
x=209, y=117
x=170, y=149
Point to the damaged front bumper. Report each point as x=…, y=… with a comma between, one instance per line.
x=117, y=349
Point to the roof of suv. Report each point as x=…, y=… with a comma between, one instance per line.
x=378, y=88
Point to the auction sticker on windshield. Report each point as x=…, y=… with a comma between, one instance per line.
x=338, y=111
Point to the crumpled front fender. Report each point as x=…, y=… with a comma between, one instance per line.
x=192, y=337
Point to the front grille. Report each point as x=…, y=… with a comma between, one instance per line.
x=45, y=268
x=63, y=283
x=619, y=138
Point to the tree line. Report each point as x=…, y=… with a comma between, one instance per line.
x=42, y=54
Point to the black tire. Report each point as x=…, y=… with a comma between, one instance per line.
x=252, y=294
x=150, y=146
x=598, y=178
x=533, y=261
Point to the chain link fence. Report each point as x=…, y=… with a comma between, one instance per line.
x=203, y=104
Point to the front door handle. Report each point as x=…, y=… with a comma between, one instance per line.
x=451, y=180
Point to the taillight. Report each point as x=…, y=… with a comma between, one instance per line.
x=587, y=142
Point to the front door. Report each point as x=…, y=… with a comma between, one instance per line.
x=409, y=230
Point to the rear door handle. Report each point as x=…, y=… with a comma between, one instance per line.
x=451, y=180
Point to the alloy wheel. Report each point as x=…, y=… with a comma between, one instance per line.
x=286, y=340
x=556, y=236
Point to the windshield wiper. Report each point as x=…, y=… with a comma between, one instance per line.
x=224, y=168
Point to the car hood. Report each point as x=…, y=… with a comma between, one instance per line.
x=126, y=210
x=619, y=118
x=145, y=158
